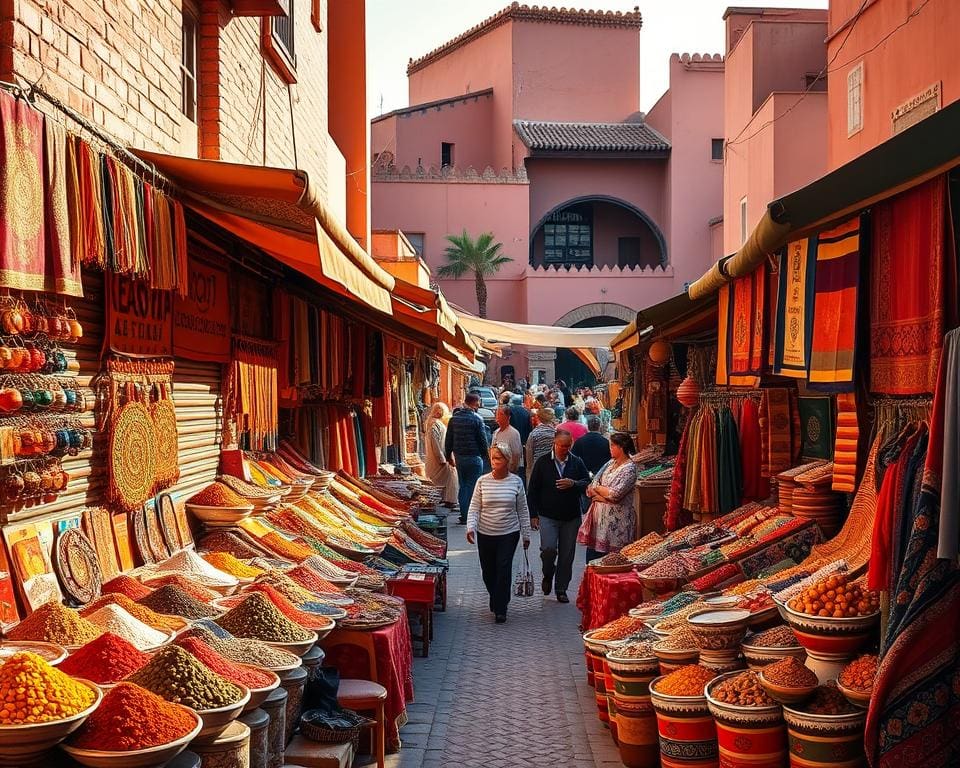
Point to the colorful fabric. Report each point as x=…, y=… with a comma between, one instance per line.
x=22, y=232
x=836, y=283
x=674, y=511
x=723, y=325
x=747, y=329
x=846, y=445
x=92, y=246
x=730, y=480
x=948, y=539
x=907, y=290
x=604, y=597
x=754, y=486
x=795, y=309
x=760, y=342
x=776, y=425
x=816, y=427
x=63, y=271
x=707, y=465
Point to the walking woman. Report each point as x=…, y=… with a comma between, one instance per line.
x=439, y=472
x=610, y=523
x=498, y=518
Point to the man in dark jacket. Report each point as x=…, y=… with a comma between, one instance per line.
x=593, y=448
x=553, y=494
x=465, y=448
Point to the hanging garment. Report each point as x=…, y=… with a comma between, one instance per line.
x=794, y=309
x=63, y=271
x=777, y=427
x=723, y=325
x=845, y=448
x=755, y=487
x=674, y=512
x=740, y=330
x=948, y=533
x=907, y=290
x=730, y=480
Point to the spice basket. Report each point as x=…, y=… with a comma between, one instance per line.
x=19, y=744
x=258, y=695
x=324, y=735
x=50, y=652
x=825, y=740
x=134, y=758
x=688, y=738
x=636, y=725
x=748, y=736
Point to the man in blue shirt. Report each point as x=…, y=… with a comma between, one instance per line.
x=465, y=447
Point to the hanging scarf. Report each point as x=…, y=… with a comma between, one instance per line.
x=845, y=448
x=63, y=272
x=754, y=486
x=678, y=480
x=795, y=308
x=723, y=343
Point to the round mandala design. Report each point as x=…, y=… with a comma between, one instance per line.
x=164, y=417
x=132, y=456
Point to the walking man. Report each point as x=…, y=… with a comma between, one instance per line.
x=593, y=448
x=464, y=448
x=556, y=484
x=509, y=436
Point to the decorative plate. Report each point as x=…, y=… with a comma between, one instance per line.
x=158, y=546
x=139, y=524
x=164, y=417
x=77, y=566
x=167, y=513
x=131, y=458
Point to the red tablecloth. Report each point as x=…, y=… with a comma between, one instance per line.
x=394, y=671
x=604, y=597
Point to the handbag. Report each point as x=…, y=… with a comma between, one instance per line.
x=523, y=584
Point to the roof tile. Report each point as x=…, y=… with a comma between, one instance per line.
x=546, y=136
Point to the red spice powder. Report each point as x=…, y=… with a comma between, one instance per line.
x=190, y=587
x=235, y=673
x=126, y=585
x=108, y=659
x=309, y=579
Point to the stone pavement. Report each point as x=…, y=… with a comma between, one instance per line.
x=503, y=696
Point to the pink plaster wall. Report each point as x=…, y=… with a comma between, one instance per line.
x=920, y=54
x=417, y=135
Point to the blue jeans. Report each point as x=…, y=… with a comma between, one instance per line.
x=469, y=469
x=558, y=547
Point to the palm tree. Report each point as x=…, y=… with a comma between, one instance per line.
x=481, y=256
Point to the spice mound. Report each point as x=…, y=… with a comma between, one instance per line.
x=113, y=618
x=131, y=718
x=286, y=587
x=259, y=619
x=177, y=676
x=141, y=612
x=184, y=584
x=55, y=623
x=633, y=650
x=744, y=690
x=789, y=673
x=827, y=700
x=305, y=618
x=31, y=691
x=235, y=673
x=106, y=660
x=859, y=674
x=192, y=565
x=836, y=597
x=618, y=629
x=775, y=637
x=126, y=585
x=218, y=495
x=172, y=600
x=227, y=563
x=614, y=558
x=306, y=577
x=681, y=639
x=243, y=650
x=688, y=680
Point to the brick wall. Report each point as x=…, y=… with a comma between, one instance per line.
x=117, y=62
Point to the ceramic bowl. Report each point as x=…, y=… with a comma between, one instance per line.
x=676, y=705
x=857, y=698
x=219, y=514
x=216, y=721
x=259, y=695
x=298, y=648
x=827, y=637
x=19, y=744
x=783, y=694
x=722, y=661
x=760, y=656
x=51, y=653
x=137, y=758
x=719, y=629
x=736, y=715
x=722, y=601
x=829, y=730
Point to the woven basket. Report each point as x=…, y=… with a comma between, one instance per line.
x=325, y=735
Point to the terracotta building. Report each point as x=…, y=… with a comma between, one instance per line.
x=603, y=209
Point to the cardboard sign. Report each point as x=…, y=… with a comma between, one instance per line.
x=201, y=319
x=139, y=319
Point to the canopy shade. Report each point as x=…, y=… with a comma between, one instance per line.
x=538, y=335
x=279, y=211
x=919, y=153
x=681, y=319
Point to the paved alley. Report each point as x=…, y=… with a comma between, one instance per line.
x=500, y=696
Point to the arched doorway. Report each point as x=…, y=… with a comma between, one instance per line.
x=571, y=368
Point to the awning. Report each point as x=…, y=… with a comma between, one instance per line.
x=681, y=319
x=538, y=335
x=589, y=359
x=279, y=211
x=454, y=356
x=628, y=338
x=424, y=304
x=919, y=153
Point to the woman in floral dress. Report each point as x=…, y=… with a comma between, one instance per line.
x=611, y=520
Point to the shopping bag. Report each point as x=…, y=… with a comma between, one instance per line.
x=523, y=584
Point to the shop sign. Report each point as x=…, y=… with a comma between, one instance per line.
x=201, y=319
x=139, y=318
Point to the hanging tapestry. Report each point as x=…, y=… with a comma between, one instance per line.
x=740, y=329
x=816, y=428
x=723, y=325
x=760, y=341
x=845, y=448
x=22, y=234
x=835, y=305
x=907, y=290
x=777, y=427
x=252, y=393
x=794, y=309
x=63, y=271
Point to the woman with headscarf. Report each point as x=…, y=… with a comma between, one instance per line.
x=438, y=470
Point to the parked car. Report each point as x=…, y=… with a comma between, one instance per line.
x=488, y=398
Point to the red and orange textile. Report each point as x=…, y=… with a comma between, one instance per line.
x=779, y=431
x=847, y=443
x=794, y=309
x=723, y=325
x=910, y=272
x=604, y=597
x=253, y=393
x=674, y=515
x=747, y=329
x=833, y=335
x=754, y=484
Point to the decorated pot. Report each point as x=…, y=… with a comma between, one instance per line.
x=818, y=741
x=688, y=737
x=597, y=653
x=671, y=658
x=748, y=737
x=760, y=656
x=719, y=629
x=636, y=726
x=722, y=661
x=829, y=642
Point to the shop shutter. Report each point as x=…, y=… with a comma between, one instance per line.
x=197, y=397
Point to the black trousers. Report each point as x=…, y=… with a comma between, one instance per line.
x=496, y=565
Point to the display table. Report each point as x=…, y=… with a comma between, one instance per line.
x=604, y=597
x=394, y=660
x=418, y=591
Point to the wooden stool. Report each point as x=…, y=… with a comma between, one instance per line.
x=367, y=696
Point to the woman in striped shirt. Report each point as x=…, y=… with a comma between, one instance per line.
x=497, y=519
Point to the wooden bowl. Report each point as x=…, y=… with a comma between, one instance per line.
x=859, y=699
x=787, y=695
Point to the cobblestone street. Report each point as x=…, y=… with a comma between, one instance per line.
x=500, y=696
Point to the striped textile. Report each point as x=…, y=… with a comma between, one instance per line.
x=794, y=309
x=499, y=507
x=723, y=323
x=845, y=448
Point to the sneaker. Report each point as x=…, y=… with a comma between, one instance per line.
x=501, y=618
x=546, y=585
x=562, y=597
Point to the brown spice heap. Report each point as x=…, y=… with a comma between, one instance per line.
x=618, y=629
x=789, y=673
x=614, y=558
x=173, y=601
x=184, y=584
x=744, y=690
x=55, y=623
x=257, y=618
x=178, y=676
x=689, y=680
x=634, y=650
x=776, y=637
x=827, y=700
x=681, y=639
x=860, y=674
x=286, y=587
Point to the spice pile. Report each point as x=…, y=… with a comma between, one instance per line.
x=681, y=639
x=827, y=700
x=181, y=582
x=218, y=495
x=672, y=567
x=170, y=599
x=242, y=650
x=191, y=565
x=106, y=660
x=113, y=618
x=246, y=676
x=125, y=585
x=744, y=690
x=860, y=673
x=245, y=489
x=776, y=637
x=836, y=597
x=789, y=673
x=306, y=618
x=227, y=563
x=679, y=617
x=634, y=649
x=618, y=629
x=638, y=547
x=131, y=718
x=236, y=542
x=31, y=691
x=286, y=587
x=689, y=680
x=141, y=612
x=179, y=677
x=259, y=619
x=614, y=558
x=678, y=602
x=55, y=623
x=311, y=580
